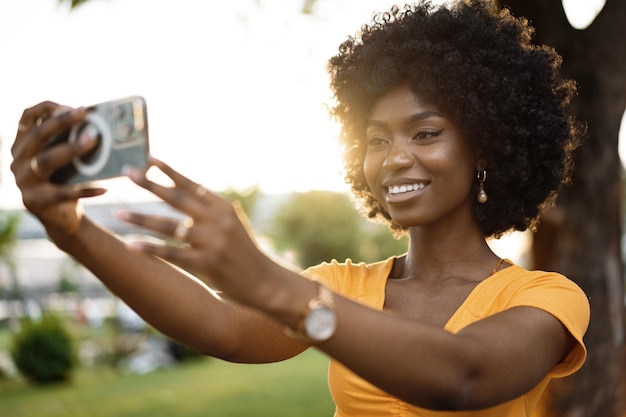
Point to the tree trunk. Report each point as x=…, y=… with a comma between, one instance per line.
x=581, y=236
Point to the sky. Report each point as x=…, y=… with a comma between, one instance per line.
x=236, y=92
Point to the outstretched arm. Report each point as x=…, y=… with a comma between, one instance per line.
x=490, y=362
x=166, y=297
x=176, y=303
x=487, y=363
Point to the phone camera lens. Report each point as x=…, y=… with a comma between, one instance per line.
x=119, y=112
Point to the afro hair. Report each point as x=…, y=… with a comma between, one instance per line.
x=480, y=67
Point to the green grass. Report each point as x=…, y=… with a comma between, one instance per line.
x=205, y=387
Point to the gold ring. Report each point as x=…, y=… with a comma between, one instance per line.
x=34, y=166
x=22, y=128
x=41, y=119
x=201, y=191
x=182, y=230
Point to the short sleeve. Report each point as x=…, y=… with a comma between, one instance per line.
x=323, y=273
x=567, y=302
x=361, y=282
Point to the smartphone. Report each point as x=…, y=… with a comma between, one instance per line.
x=121, y=130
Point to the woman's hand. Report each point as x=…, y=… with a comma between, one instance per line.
x=56, y=206
x=213, y=242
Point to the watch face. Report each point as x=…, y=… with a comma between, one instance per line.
x=320, y=323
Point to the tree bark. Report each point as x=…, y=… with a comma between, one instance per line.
x=581, y=236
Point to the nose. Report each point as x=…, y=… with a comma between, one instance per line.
x=398, y=158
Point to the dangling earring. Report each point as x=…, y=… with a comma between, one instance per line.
x=482, y=195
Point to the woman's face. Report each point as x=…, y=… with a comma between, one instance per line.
x=417, y=163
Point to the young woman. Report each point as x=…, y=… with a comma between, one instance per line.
x=455, y=129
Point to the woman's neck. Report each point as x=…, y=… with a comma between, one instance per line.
x=433, y=255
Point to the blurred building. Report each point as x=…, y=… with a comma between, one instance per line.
x=45, y=276
x=48, y=278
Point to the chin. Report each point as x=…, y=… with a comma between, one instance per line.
x=406, y=223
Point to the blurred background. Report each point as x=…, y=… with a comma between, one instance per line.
x=237, y=94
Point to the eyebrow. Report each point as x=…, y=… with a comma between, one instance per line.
x=411, y=119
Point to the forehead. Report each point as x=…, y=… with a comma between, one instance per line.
x=400, y=102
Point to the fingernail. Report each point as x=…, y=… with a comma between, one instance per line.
x=123, y=215
x=131, y=172
x=86, y=139
x=79, y=111
x=61, y=111
x=135, y=246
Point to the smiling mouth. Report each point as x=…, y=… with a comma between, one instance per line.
x=404, y=188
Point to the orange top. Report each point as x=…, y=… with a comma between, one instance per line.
x=510, y=287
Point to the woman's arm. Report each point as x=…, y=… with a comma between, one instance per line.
x=177, y=304
x=487, y=363
x=163, y=295
x=490, y=362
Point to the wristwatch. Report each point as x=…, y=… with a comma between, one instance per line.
x=318, y=321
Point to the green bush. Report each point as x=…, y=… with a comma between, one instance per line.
x=43, y=350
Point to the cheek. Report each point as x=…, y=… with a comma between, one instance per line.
x=465, y=169
x=455, y=165
x=370, y=170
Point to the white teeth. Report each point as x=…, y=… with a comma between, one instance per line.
x=398, y=189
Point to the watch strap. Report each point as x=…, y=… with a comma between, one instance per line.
x=323, y=298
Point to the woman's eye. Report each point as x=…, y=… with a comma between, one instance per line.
x=375, y=141
x=425, y=134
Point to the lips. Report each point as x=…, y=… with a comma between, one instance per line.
x=404, y=188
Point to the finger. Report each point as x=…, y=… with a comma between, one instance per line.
x=184, y=182
x=28, y=120
x=186, y=258
x=165, y=226
x=178, y=197
x=44, y=164
x=32, y=114
x=179, y=179
x=55, y=157
x=37, y=170
x=60, y=122
x=37, y=198
x=38, y=137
